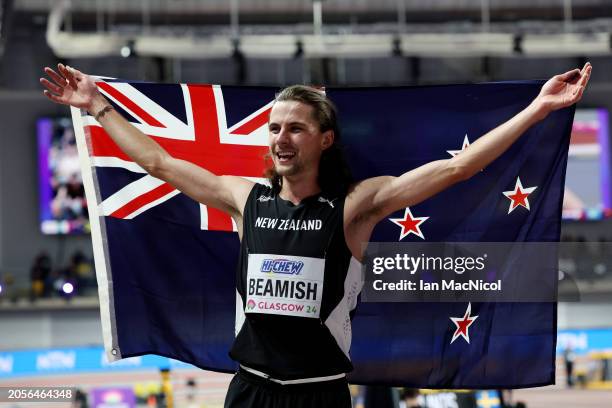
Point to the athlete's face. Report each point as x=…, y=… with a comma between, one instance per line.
x=296, y=143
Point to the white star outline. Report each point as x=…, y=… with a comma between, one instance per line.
x=408, y=213
x=458, y=333
x=518, y=186
x=466, y=144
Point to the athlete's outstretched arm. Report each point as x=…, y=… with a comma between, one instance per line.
x=371, y=200
x=71, y=87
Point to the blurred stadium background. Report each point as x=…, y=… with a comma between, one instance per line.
x=49, y=320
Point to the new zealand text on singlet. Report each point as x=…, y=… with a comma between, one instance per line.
x=288, y=224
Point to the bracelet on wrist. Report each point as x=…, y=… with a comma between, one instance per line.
x=103, y=112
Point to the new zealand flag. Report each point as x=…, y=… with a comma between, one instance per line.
x=166, y=264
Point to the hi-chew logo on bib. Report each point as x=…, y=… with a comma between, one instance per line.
x=282, y=266
x=284, y=285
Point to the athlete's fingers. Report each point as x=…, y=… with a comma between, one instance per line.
x=51, y=86
x=54, y=98
x=580, y=86
x=582, y=74
x=78, y=75
x=569, y=75
x=68, y=75
x=579, y=93
x=586, y=74
x=71, y=78
x=586, y=67
x=57, y=78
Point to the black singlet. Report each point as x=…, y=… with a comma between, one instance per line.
x=297, y=285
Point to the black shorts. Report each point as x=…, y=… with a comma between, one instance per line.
x=248, y=390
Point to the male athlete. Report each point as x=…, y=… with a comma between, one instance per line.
x=299, y=268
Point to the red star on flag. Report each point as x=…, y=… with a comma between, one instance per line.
x=409, y=224
x=518, y=196
x=466, y=144
x=463, y=323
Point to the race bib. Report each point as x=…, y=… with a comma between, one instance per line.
x=284, y=285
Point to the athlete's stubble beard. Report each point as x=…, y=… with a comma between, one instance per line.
x=296, y=167
x=288, y=171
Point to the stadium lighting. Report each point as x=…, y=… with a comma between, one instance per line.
x=67, y=288
x=569, y=44
x=128, y=50
x=125, y=51
x=318, y=44
x=78, y=45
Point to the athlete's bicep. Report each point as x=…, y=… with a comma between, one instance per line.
x=380, y=196
x=361, y=199
x=416, y=185
x=361, y=212
x=370, y=200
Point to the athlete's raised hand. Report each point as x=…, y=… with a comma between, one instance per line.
x=69, y=86
x=563, y=90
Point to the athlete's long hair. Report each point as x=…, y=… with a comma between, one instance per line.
x=334, y=175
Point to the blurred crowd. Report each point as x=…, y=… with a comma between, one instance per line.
x=586, y=260
x=49, y=280
x=66, y=181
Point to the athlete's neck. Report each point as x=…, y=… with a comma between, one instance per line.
x=296, y=189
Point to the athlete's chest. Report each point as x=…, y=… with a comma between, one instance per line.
x=307, y=229
x=287, y=252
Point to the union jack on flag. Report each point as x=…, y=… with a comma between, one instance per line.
x=166, y=264
x=193, y=128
